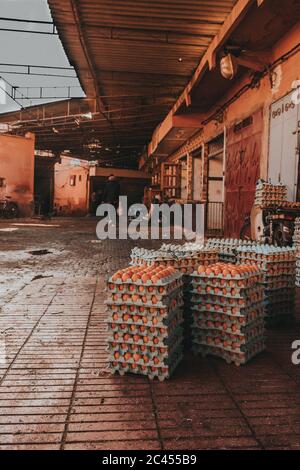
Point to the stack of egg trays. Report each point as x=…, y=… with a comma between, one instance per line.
x=297, y=247
x=228, y=325
x=139, y=326
x=298, y=269
x=183, y=262
x=226, y=248
x=270, y=195
x=279, y=275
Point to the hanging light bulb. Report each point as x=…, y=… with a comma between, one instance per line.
x=228, y=66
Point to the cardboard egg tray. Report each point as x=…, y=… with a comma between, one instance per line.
x=228, y=301
x=231, y=357
x=159, y=320
x=232, y=325
x=159, y=289
x=152, y=311
x=227, y=248
x=226, y=292
x=221, y=342
x=270, y=195
x=233, y=332
x=119, y=331
x=171, y=301
x=228, y=311
x=141, y=339
x=144, y=355
x=144, y=322
x=244, y=315
x=223, y=283
x=152, y=372
x=228, y=340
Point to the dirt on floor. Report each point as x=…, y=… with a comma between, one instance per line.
x=56, y=391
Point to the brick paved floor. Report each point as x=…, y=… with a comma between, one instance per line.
x=55, y=390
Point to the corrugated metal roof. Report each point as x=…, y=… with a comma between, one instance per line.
x=135, y=57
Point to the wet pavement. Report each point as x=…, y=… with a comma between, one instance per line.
x=55, y=389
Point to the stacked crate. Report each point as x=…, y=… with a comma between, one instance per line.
x=279, y=269
x=297, y=247
x=228, y=312
x=183, y=258
x=269, y=195
x=226, y=247
x=144, y=321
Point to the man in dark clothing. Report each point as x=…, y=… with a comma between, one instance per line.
x=111, y=191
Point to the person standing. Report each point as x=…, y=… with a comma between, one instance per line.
x=111, y=191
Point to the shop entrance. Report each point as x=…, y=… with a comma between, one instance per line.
x=215, y=189
x=244, y=142
x=43, y=185
x=284, y=145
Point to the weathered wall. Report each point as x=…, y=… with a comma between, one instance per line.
x=255, y=100
x=17, y=169
x=68, y=199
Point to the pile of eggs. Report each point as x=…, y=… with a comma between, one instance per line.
x=278, y=266
x=270, y=195
x=227, y=247
x=144, y=320
x=228, y=313
x=298, y=269
x=145, y=274
x=184, y=258
x=297, y=247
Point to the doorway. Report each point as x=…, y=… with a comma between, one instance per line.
x=43, y=185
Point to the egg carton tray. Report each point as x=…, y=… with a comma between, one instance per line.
x=174, y=261
x=163, y=302
x=161, y=283
x=152, y=340
x=232, y=327
x=279, y=285
x=142, y=330
x=152, y=358
x=228, y=292
x=161, y=374
x=241, y=339
x=280, y=297
x=161, y=321
x=268, y=275
x=244, y=312
x=265, y=262
x=227, y=301
x=151, y=311
x=225, y=283
x=228, y=277
x=244, y=349
x=149, y=290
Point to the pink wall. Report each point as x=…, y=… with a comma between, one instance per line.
x=68, y=199
x=17, y=168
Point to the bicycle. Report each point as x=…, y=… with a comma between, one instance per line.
x=8, y=208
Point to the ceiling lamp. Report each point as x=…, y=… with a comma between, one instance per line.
x=229, y=67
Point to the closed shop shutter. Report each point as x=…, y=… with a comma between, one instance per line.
x=244, y=143
x=283, y=147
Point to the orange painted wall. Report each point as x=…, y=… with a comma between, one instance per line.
x=255, y=99
x=261, y=97
x=68, y=199
x=17, y=168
